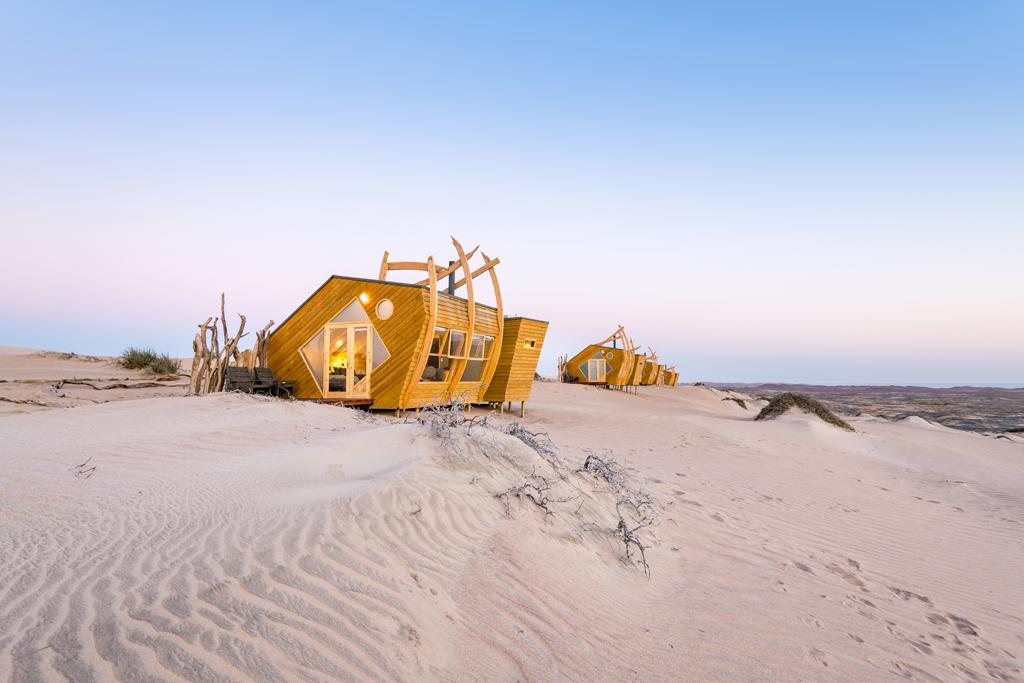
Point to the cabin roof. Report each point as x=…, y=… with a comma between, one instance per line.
x=384, y=282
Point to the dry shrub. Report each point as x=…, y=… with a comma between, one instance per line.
x=779, y=404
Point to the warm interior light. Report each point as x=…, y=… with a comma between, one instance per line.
x=364, y=297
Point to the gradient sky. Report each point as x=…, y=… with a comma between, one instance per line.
x=806, y=192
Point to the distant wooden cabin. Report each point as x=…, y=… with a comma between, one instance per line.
x=397, y=346
x=670, y=377
x=651, y=371
x=609, y=362
x=639, y=361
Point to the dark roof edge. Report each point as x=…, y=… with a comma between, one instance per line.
x=523, y=317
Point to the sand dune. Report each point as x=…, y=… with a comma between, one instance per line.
x=33, y=380
x=234, y=538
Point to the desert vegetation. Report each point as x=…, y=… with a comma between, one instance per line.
x=781, y=403
x=149, y=360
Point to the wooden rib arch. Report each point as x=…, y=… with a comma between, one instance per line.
x=471, y=305
x=492, y=363
x=428, y=335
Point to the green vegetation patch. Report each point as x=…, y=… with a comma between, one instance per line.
x=150, y=360
x=779, y=404
x=738, y=401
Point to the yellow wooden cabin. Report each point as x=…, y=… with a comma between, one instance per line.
x=639, y=359
x=397, y=346
x=652, y=369
x=603, y=364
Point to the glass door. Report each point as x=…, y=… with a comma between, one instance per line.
x=348, y=359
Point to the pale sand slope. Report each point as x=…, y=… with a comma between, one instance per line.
x=232, y=538
x=32, y=380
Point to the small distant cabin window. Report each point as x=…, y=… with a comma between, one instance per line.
x=530, y=344
x=479, y=352
x=438, y=363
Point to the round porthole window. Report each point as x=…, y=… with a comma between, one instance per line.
x=608, y=355
x=385, y=308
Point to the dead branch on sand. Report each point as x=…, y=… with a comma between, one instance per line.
x=116, y=385
x=630, y=535
x=82, y=470
x=27, y=402
x=536, y=489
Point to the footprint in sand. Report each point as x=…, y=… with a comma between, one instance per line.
x=820, y=656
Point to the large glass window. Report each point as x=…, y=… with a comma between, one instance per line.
x=337, y=360
x=595, y=369
x=359, y=356
x=313, y=354
x=479, y=352
x=438, y=363
x=457, y=344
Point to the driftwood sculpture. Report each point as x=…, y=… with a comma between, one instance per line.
x=211, y=358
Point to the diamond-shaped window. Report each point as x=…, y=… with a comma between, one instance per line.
x=313, y=351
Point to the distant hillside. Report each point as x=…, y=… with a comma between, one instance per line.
x=977, y=409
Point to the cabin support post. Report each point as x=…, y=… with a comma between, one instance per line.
x=522, y=409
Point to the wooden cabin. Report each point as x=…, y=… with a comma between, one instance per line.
x=603, y=364
x=396, y=345
x=651, y=369
x=671, y=377
x=639, y=361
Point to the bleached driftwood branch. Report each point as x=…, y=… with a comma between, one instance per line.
x=211, y=359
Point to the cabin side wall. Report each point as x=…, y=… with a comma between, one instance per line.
x=402, y=334
x=638, y=369
x=513, y=378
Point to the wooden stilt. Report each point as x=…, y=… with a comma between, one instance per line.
x=522, y=409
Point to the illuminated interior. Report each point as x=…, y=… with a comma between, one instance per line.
x=342, y=356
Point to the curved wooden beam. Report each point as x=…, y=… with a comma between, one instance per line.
x=626, y=371
x=479, y=271
x=471, y=304
x=409, y=265
x=445, y=272
x=610, y=337
x=492, y=363
x=384, y=267
x=428, y=337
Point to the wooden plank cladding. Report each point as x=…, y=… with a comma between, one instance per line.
x=517, y=363
x=400, y=333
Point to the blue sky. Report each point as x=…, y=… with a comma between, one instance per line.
x=817, y=192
